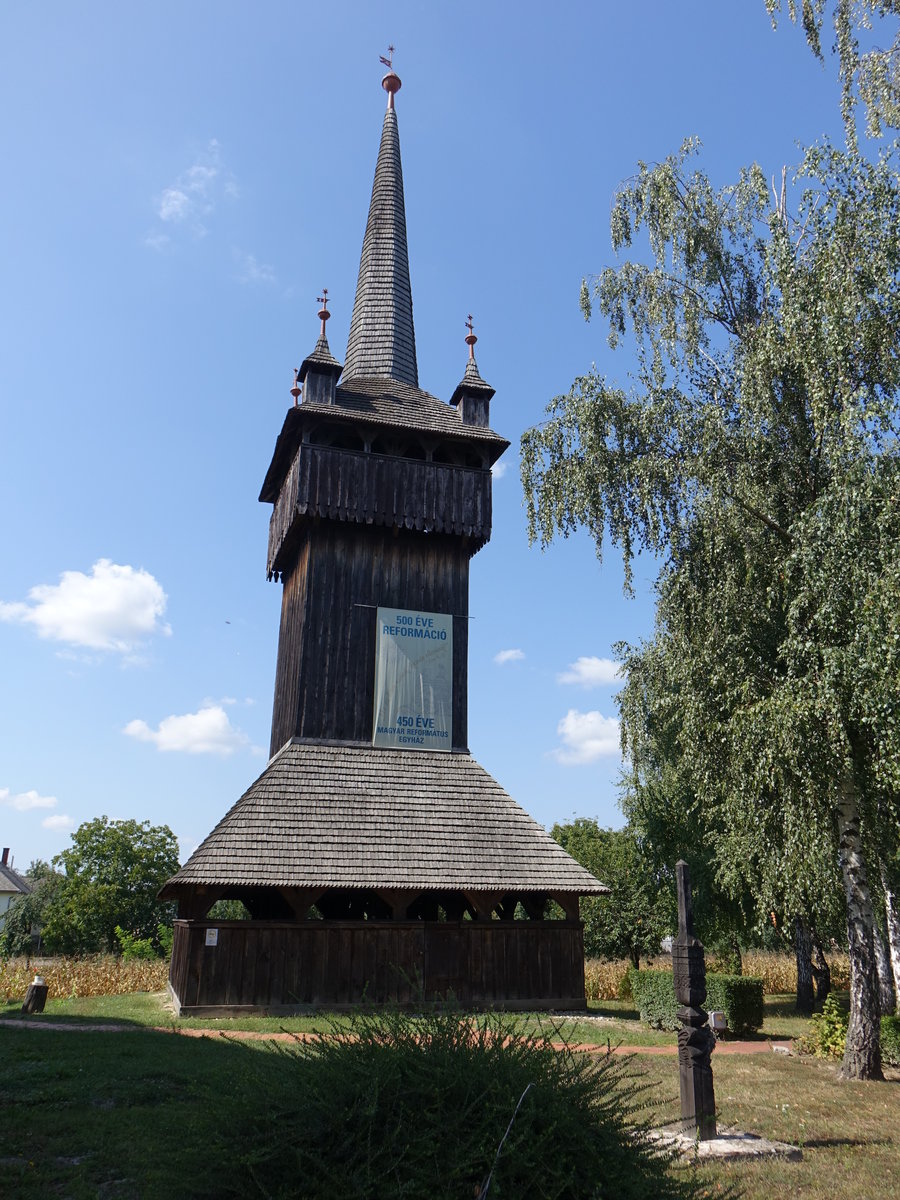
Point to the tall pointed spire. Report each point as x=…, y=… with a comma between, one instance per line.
x=382, y=341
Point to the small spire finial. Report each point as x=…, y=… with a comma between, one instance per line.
x=295, y=387
x=323, y=313
x=391, y=82
x=471, y=339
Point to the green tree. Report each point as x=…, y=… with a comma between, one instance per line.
x=751, y=880
x=869, y=77
x=756, y=456
x=113, y=870
x=26, y=916
x=639, y=911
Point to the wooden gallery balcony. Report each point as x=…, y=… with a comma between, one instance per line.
x=379, y=489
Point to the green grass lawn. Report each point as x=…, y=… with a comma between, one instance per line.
x=613, y=1021
x=87, y=1115
x=849, y=1132
x=140, y=1114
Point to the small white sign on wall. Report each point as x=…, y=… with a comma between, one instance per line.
x=212, y=937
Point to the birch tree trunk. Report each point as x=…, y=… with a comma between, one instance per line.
x=892, y=922
x=803, y=951
x=862, y=1057
x=883, y=971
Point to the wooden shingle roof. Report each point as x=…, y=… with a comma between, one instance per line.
x=358, y=817
x=382, y=340
x=389, y=402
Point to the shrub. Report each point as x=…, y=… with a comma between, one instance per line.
x=654, y=997
x=740, y=997
x=890, y=1041
x=134, y=947
x=827, y=1034
x=437, y=1106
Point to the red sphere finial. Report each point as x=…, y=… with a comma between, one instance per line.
x=391, y=82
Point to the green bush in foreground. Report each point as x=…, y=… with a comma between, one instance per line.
x=739, y=997
x=448, y=1105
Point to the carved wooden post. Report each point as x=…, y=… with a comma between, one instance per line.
x=695, y=1038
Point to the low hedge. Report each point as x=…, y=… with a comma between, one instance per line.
x=653, y=993
x=739, y=997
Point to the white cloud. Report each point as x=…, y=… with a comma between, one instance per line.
x=208, y=731
x=58, y=821
x=508, y=656
x=113, y=608
x=250, y=270
x=592, y=672
x=26, y=801
x=192, y=198
x=498, y=470
x=586, y=737
x=157, y=241
x=193, y=194
x=174, y=205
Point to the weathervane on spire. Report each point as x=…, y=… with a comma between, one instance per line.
x=471, y=339
x=391, y=81
x=323, y=313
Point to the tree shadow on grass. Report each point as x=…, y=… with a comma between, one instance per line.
x=829, y=1143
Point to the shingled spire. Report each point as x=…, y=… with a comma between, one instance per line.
x=382, y=341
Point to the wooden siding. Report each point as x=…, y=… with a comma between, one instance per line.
x=325, y=675
x=377, y=489
x=277, y=966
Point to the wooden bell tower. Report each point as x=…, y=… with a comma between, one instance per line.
x=374, y=851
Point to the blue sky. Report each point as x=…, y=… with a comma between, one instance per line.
x=181, y=180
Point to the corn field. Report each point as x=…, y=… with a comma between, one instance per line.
x=605, y=980
x=105, y=975
x=100, y=975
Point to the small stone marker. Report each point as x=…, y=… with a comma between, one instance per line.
x=695, y=1039
x=35, y=996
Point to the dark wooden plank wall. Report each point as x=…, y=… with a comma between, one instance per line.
x=271, y=965
x=325, y=674
x=376, y=489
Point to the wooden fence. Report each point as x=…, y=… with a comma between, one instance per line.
x=262, y=966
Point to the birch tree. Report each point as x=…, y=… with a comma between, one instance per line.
x=755, y=454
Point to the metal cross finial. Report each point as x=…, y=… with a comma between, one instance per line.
x=471, y=339
x=323, y=313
